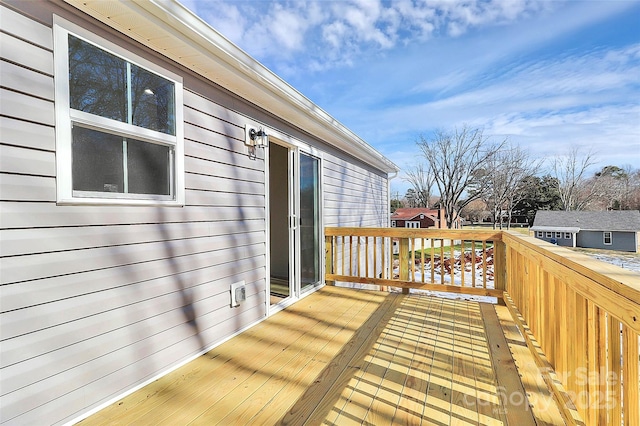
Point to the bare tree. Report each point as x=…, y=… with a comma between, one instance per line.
x=421, y=181
x=576, y=190
x=506, y=173
x=475, y=211
x=454, y=159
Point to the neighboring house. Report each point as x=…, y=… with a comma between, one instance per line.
x=419, y=217
x=610, y=230
x=157, y=183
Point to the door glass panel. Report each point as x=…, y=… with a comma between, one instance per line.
x=279, y=201
x=309, y=221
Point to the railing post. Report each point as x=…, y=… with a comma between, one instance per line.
x=500, y=265
x=328, y=256
x=403, y=259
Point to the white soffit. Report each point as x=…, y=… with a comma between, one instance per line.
x=171, y=29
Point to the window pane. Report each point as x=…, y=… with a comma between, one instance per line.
x=309, y=221
x=97, y=81
x=97, y=161
x=148, y=168
x=153, y=101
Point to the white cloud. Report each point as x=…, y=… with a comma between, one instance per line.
x=334, y=33
x=422, y=64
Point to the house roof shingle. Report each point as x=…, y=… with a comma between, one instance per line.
x=613, y=220
x=408, y=213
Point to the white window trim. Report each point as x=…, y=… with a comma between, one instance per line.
x=604, y=238
x=65, y=116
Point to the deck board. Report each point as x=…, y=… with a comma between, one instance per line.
x=338, y=357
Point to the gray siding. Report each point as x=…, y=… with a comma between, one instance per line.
x=354, y=195
x=623, y=241
x=95, y=300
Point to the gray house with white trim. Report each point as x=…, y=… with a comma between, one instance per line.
x=609, y=230
x=161, y=191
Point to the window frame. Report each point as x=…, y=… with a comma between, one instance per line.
x=549, y=234
x=66, y=118
x=604, y=238
x=568, y=236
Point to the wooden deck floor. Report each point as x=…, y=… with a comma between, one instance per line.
x=343, y=356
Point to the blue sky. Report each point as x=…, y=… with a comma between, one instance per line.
x=547, y=75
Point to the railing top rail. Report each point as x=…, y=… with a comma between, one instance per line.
x=621, y=281
x=456, y=234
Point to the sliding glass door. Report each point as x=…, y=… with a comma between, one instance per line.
x=309, y=221
x=294, y=224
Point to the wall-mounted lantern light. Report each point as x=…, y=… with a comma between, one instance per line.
x=258, y=138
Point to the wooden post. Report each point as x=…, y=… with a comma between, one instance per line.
x=328, y=258
x=403, y=258
x=499, y=265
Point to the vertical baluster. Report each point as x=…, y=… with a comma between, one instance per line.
x=462, y=263
x=391, y=257
x=593, y=364
x=473, y=263
x=383, y=256
x=442, y=261
x=358, y=271
x=422, y=259
x=404, y=262
x=615, y=374
x=631, y=398
x=375, y=257
x=452, y=260
x=412, y=267
x=484, y=264
x=344, y=254
x=432, y=262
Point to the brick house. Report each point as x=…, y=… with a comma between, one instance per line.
x=420, y=217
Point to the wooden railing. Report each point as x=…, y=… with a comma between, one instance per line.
x=580, y=317
x=585, y=317
x=440, y=260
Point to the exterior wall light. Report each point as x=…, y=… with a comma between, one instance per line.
x=258, y=138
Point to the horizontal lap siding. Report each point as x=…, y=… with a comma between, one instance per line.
x=353, y=195
x=97, y=299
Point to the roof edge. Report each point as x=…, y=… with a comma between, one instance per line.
x=301, y=111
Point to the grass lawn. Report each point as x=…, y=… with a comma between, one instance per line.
x=447, y=249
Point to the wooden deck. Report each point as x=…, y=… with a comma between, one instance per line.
x=343, y=356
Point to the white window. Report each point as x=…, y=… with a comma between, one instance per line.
x=558, y=235
x=409, y=224
x=119, y=126
x=608, y=238
x=567, y=235
x=393, y=223
x=539, y=234
x=549, y=234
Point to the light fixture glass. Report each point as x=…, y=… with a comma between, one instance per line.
x=259, y=137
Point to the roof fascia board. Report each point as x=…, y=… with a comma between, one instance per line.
x=232, y=68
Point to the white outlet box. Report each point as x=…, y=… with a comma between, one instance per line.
x=238, y=293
